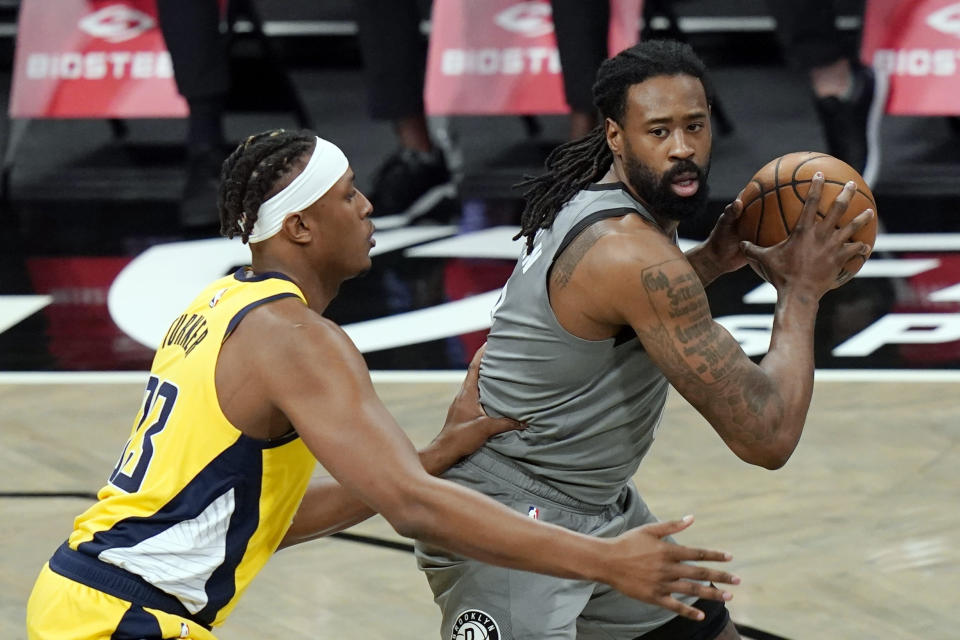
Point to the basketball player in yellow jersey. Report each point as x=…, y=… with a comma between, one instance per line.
x=249, y=388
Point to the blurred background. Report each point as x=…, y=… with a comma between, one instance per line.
x=118, y=113
x=109, y=221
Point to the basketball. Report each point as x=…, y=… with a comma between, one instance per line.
x=774, y=197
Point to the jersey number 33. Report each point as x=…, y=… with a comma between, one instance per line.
x=135, y=460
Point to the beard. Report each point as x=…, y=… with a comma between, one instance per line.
x=654, y=189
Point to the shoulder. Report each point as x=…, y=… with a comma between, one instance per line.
x=283, y=317
x=637, y=276
x=287, y=333
x=603, y=271
x=625, y=244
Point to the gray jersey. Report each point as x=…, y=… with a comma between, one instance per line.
x=592, y=406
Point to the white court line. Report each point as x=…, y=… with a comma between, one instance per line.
x=876, y=268
x=918, y=242
x=887, y=375
x=446, y=376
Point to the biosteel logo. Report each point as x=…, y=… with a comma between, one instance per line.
x=531, y=19
x=946, y=20
x=116, y=23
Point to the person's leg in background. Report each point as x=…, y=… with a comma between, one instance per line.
x=842, y=87
x=414, y=178
x=191, y=29
x=581, y=30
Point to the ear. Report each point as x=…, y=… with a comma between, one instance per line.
x=298, y=228
x=614, y=136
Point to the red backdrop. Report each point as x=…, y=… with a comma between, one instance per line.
x=917, y=44
x=500, y=56
x=92, y=59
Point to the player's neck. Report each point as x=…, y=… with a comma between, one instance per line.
x=318, y=291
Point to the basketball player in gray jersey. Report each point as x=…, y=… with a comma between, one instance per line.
x=601, y=314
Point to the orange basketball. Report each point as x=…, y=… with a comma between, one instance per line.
x=774, y=197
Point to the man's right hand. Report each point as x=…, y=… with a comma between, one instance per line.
x=809, y=260
x=467, y=426
x=654, y=569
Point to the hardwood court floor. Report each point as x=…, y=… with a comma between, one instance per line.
x=857, y=537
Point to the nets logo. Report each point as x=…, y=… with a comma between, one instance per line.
x=474, y=624
x=531, y=19
x=116, y=23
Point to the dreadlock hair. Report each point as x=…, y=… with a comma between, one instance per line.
x=250, y=173
x=573, y=166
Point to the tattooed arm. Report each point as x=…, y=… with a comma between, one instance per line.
x=758, y=410
x=627, y=272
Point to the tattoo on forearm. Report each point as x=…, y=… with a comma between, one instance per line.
x=703, y=359
x=680, y=302
x=565, y=264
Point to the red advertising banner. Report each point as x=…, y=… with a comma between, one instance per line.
x=92, y=59
x=500, y=56
x=916, y=45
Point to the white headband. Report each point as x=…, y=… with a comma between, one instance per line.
x=326, y=166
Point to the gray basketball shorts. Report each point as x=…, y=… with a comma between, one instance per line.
x=480, y=601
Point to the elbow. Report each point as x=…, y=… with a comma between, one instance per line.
x=771, y=453
x=767, y=441
x=410, y=513
x=403, y=518
x=772, y=458
x=773, y=462
x=408, y=529
x=411, y=523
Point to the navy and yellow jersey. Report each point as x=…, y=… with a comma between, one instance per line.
x=194, y=507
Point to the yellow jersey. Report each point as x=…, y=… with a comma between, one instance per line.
x=194, y=508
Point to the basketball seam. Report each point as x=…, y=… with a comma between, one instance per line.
x=794, y=183
x=792, y=187
x=798, y=182
x=865, y=195
x=756, y=235
x=776, y=184
x=836, y=182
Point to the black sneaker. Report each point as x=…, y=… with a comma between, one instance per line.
x=846, y=123
x=198, y=202
x=410, y=183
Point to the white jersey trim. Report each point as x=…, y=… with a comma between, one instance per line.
x=181, y=559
